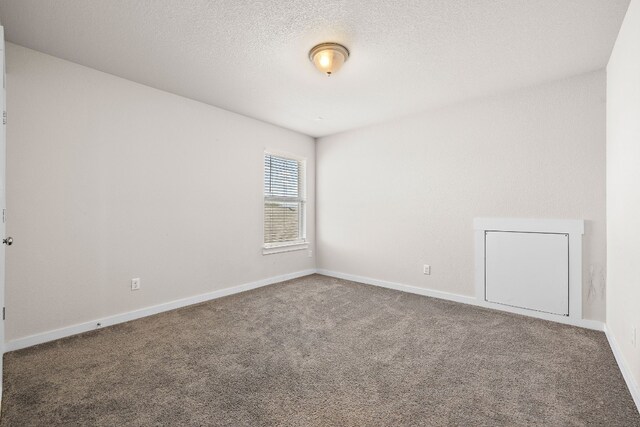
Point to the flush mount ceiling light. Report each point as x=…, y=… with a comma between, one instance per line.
x=328, y=57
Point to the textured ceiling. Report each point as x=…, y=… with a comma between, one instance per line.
x=251, y=56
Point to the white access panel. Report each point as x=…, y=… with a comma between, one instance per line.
x=528, y=270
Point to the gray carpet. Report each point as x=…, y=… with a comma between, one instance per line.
x=319, y=351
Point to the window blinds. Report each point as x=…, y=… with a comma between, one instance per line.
x=283, y=200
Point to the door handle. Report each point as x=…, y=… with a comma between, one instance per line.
x=8, y=241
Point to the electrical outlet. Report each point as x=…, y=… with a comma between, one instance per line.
x=426, y=269
x=633, y=336
x=135, y=284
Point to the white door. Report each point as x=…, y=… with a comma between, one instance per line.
x=528, y=270
x=3, y=146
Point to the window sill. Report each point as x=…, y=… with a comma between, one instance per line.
x=284, y=247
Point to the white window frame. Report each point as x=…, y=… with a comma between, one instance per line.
x=294, y=245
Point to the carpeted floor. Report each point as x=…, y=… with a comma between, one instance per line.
x=319, y=351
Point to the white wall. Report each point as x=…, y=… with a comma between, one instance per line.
x=395, y=196
x=109, y=180
x=623, y=190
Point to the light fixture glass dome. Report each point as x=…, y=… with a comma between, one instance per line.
x=328, y=57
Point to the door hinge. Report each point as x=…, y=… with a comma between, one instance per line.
x=4, y=216
x=4, y=313
x=4, y=117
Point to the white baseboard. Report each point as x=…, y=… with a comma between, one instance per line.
x=633, y=386
x=595, y=325
x=583, y=323
x=171, y=305
x=55, y=334
x=399, y=287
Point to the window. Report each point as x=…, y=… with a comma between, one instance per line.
x=284, y=204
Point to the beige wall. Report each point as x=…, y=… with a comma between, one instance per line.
x=109, y=180
x=623, y=190
x=170, y=190
x=395, y=196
